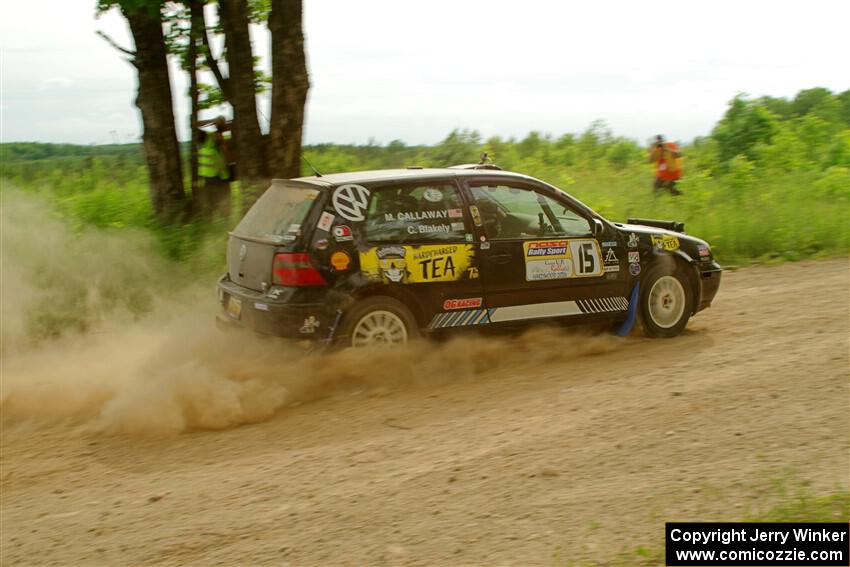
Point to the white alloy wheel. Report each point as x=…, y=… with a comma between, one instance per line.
x=379, y=328
x=666, y=301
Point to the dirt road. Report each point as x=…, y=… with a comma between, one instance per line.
x=532, y=451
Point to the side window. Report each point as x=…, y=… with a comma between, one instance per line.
x=513, y=212
x=432, y=213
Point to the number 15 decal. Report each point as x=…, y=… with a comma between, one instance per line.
x=587, y=259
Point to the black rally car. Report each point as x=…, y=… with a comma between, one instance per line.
x=384, y=256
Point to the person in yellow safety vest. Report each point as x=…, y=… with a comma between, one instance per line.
x=668, y=165
x=213, y=170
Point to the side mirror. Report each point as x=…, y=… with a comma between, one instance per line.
x=598, y=228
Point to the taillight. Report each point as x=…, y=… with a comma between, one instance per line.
x=295, y=269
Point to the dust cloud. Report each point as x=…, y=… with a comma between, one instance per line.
x=171, y=370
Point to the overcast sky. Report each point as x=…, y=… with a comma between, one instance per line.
x=396, y=69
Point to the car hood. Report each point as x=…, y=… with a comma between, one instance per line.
x=644, y=230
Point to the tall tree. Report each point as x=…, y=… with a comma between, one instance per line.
x=196, y=27
x=290, y=83
x=154, y=102
x=241, y=93
x=258, y=157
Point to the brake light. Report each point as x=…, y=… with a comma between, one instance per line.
x=295, y=269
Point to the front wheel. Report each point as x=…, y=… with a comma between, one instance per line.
x=378, y=321
x=666, y=302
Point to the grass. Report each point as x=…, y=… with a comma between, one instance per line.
x=749, y=213
x=801, y=506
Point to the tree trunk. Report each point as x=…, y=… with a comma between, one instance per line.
x=196, y=11
x=290, y=84
x=247, y=138
x=154, y=101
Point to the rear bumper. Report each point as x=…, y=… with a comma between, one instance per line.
x=709, y=283
x=268, y=315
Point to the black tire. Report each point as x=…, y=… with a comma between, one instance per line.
x=399, y=324
x=666, y=301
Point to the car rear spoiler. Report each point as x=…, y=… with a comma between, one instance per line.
x=665, y=224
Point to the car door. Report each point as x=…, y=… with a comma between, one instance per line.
x=539, y=257
x=418, y=236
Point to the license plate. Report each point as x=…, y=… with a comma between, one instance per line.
x=234, y=307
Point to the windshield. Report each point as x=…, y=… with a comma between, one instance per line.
x=278, y=214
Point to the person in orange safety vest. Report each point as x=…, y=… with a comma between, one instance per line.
x=668, y=165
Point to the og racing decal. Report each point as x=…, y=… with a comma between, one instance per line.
x=419, y=264
x=562, y=259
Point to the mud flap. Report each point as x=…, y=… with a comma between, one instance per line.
x=631, y=316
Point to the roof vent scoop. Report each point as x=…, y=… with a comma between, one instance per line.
x=484, y=163
x=665, y=224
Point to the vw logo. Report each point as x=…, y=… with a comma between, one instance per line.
x=350, y=201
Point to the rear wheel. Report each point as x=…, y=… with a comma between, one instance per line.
x=666, y=302
x=378, y=321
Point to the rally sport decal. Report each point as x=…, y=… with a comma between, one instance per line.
x=562, y=259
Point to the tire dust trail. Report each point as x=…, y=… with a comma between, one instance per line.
x=532, y=450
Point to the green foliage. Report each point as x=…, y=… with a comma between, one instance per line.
x=803, y=506
x=743, y=127
x=758, y=197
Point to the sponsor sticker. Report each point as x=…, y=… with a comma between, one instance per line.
x=476, y=215
x=350, y=201
x=545, y=248
x=418, y=264
x=609, y=244
x=433, y=195
x=467, y=237
x=261, y=306
x=549, y=269
x=665, y=242
x=634, y=269
x=289, y=237
x=457, y=227
x=612, y=268
x=456, y=213
x=469, y=303
x=321, y=244
x=294, y=228
x=634, y=257
x=633, y=240
x=562, y=259
x=340, y=261
x=325, y=221
x=309, y=326
x=611, y=257
x=342, y=233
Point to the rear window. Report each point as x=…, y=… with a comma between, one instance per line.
x=278, y=214
x=416, y=214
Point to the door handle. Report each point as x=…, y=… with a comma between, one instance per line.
x=502, y=258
